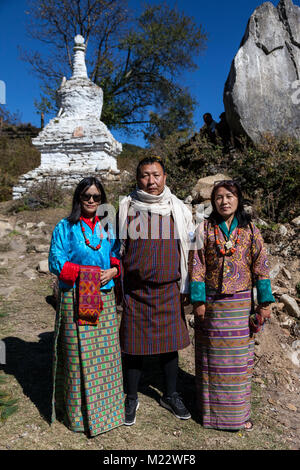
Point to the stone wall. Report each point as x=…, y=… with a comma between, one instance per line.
x=66, y=179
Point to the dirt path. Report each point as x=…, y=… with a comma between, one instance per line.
x=27, y=332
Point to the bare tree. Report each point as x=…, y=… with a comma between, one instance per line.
x=135, y=60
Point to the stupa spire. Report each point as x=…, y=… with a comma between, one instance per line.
x=79, y=66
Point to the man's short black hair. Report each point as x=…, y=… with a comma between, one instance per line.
x=150, y=161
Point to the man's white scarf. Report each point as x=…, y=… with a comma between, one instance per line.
x=164, y=204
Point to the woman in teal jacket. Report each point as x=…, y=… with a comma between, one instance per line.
x=230, y=262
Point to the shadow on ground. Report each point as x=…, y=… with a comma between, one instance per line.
x=30, y=363
x=152, y=384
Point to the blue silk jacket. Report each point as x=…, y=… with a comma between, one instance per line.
x=68, y=244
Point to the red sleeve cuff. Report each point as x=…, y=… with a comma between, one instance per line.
x=115, y=263
x=69, y=273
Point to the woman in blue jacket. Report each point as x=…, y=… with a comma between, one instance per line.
x=87, y=371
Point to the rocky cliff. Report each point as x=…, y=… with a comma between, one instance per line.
x=262, y=91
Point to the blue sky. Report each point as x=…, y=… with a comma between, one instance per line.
x=223, y=21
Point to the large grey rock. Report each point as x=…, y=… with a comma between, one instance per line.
x=291, y=305
x=261, y=94
x=275, y=270
x=294, y=353
x=204, y=186
x=43, y=267
x=283, y=230
x=30, y=274
x=296, y=221
x=5, y=228
x=41, y=248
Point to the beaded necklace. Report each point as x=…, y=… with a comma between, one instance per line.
x=87, y=241
x=228, y=248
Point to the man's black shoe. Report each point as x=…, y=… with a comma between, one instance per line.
x=131, y=406
x=175, y=404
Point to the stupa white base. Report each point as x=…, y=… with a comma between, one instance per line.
x=66, y=179
x=76, y=143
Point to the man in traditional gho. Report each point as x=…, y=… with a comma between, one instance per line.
x=155, y=229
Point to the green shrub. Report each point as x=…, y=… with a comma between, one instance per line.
x=17, y=156
x=269, y=173
x=187, y=160
x=8, y=405
x=127, y=160
x=48, y=193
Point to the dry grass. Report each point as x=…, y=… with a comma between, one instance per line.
x=28, y=335
x=27, y=332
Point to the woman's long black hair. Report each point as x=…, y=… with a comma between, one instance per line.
x=83, y=186
x=233, y=186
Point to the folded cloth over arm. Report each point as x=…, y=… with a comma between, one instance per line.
x=69, y=273
x=115, y=263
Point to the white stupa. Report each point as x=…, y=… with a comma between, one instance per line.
x=75, y=143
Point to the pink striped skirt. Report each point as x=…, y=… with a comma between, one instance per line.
x=224, y=355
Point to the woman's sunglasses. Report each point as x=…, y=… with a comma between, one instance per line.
x=86, y=197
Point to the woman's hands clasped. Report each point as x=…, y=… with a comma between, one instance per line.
x=199, y=310
x=264, y=311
